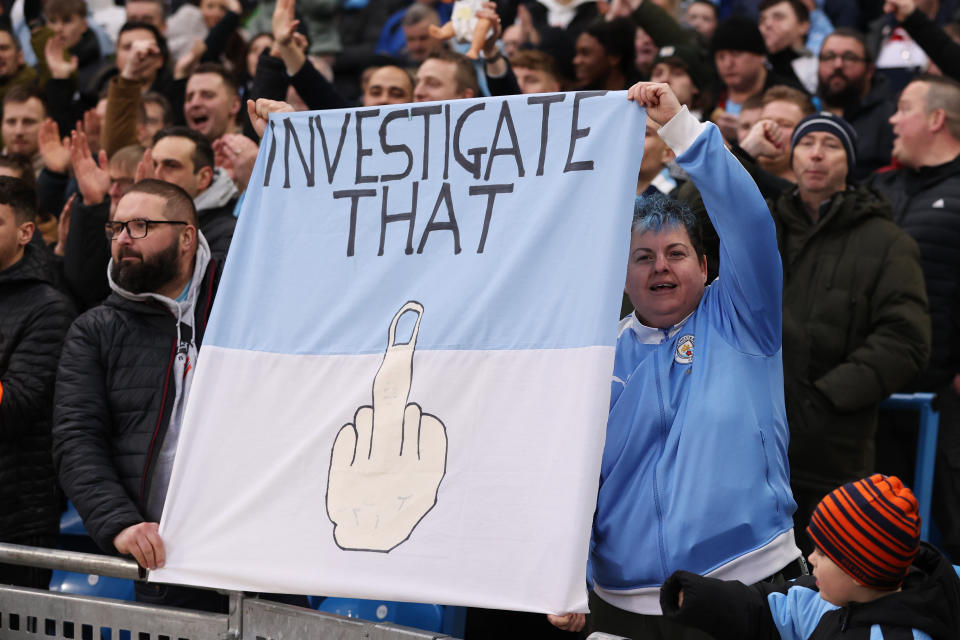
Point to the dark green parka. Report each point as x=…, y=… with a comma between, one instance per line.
x=855, y=329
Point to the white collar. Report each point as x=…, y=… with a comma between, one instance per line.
x=650, y=335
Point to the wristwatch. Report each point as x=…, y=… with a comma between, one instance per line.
x=496, y=56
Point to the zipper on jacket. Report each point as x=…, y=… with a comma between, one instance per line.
x=663, y=444
x=211, y=268
x=766, y=469
x=156, y=429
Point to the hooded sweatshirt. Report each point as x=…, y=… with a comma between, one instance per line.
x=183, y=367
x=215, y=211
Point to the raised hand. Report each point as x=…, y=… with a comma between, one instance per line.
x=55, y=153
x=143, y=61
x=93, y=181
x=657, y=98
x=145, y=168
x=92, y=125
x=63, y=226
x=189, y=60
x=488, y=31
x=386, y=466
x=236, y=153
x=620, y=9
x=284, y=22
x=525, y=20
x=765, y=140
x=899, y=8
x=260, y=111
x=61, y=66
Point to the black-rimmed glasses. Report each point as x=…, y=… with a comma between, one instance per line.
x=848, y=57
x=135, y=228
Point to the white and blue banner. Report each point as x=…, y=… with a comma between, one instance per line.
x=403, y=390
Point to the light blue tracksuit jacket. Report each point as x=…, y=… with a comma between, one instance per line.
x=695, y=473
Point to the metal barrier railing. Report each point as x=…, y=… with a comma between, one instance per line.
x=33, y=613
x=926, y=448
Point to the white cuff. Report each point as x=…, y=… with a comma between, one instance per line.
x=682, y=129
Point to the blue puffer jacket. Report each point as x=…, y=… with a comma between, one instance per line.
x=695, y=473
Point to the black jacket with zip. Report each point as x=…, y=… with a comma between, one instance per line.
x=34, y=318
x=926, y=204
x=114, y=397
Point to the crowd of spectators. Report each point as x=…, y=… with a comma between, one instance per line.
x=845, y=113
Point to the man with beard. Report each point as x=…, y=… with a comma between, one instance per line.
x=848, y=87
x=125, y=373
x=180, y=156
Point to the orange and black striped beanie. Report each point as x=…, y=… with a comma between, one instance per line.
x=870, y=528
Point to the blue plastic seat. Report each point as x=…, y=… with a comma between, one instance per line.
x=90, y=585
x=926, y=449
x=70, y=522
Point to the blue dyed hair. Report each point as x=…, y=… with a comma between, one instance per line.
x=654, y=212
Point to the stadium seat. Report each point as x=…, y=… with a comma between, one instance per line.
x=74, y=536
x=70, y=522
x=926, y=449
x=90, y=585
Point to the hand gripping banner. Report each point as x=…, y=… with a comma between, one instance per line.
x=402, y=393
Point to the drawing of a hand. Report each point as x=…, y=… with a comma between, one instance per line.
x=386, y=467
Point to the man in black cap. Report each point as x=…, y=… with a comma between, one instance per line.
x=740, y=54
x=855, y=320
x=688, y=74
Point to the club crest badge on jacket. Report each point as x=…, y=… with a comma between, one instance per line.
x=684, y=353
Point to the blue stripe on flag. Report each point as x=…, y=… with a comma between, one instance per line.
x=302, y=279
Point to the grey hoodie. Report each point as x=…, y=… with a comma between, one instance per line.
x=183, y=369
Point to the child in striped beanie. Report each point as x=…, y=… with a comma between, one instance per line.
x=867, y=534
x=872, y=579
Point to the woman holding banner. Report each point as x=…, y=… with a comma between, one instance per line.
x=695, y=472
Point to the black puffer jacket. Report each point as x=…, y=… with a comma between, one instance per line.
x=926, y=204
x=114, y=397
x=34, y=318
x=217, y=225
x=729, y=610
x=855, y=329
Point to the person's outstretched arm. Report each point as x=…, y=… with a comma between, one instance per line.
x=943, y=51
x=751, y=275
x=724, y=609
